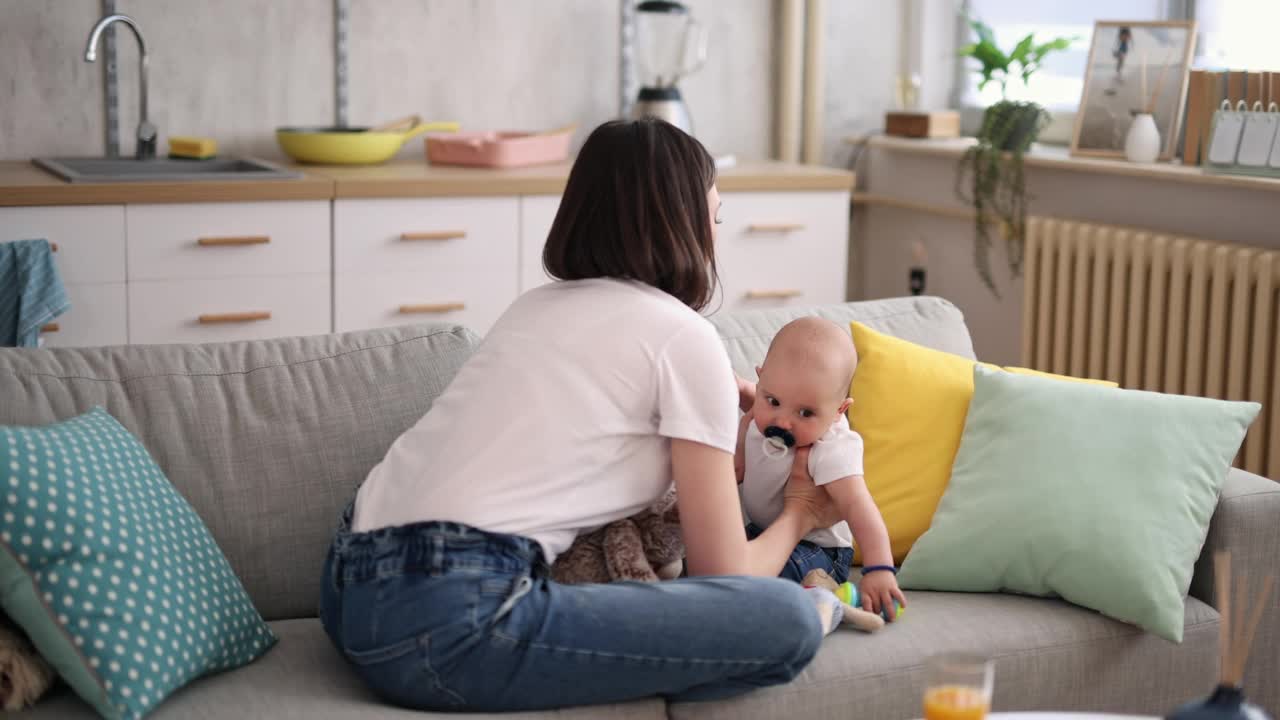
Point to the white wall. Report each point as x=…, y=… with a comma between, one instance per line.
x=236, y=69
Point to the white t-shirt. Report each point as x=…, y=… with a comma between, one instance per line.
x=561, y=420
x=837, y=454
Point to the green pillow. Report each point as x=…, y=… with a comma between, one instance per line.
x=109, y=570
x=1096, y=495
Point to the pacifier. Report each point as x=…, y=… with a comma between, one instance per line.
x=777, y=441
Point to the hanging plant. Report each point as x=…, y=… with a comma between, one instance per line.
x=990, y=174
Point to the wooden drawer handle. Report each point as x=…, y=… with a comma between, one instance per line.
x=53, y=247
x=432, y=308
x=775, y=227
x=51, y=327
x=772, y=294
x=240, y=317
x=233, y=240
x=437, y=235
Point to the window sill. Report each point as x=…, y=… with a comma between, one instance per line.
x=1059, y=158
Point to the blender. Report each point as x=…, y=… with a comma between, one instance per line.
x=670, y=45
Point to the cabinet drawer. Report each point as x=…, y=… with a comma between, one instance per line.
x=537, y=212
x=206, y=240
x=90, y=238
x=214, y=310
x=783, y=249
x=98, y=316
x=379, y=300
x=437, y=234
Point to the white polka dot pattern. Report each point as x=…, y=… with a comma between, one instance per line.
x=125, y=567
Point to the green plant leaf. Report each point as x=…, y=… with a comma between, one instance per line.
x=990, y=57
x=983, y=30
x=967, y=50
x=1019, y=54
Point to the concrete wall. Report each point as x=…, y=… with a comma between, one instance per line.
x=236, y=69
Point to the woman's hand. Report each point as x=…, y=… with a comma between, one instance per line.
x=803, y=496
x=746, y=393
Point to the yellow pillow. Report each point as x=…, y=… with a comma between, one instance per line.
x=909, y=405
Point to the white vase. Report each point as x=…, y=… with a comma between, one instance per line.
x=1142, y=144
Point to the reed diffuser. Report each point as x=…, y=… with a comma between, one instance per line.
x=1235, y=637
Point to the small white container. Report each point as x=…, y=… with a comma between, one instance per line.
x=1142, y=143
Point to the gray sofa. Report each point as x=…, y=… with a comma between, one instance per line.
x=268, y=440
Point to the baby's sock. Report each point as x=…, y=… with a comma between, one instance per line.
x=828, y=606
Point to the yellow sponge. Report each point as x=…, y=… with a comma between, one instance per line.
x=192, y=147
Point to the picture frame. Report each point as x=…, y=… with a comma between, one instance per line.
x=1133, y=66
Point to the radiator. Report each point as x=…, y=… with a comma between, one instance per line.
x=1158, y=312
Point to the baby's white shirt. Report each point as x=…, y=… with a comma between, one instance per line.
x=836, y=454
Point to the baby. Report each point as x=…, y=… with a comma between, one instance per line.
x=800, y=401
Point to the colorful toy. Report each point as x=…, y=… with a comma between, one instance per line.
x=848, y=593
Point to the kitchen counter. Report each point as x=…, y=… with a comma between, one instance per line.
x=415, y=179
x=22, y=183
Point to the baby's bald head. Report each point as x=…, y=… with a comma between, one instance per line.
x=818, y=349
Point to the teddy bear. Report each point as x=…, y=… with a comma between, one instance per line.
x=646, y=547
x=24, y=675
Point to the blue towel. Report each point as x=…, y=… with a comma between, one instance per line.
x=31, y=291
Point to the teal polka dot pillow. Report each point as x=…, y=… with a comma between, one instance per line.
x=110, y=572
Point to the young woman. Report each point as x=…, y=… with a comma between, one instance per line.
x=584, y=402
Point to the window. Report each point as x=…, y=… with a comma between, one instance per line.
x=1060, y=80
x=1238, y=34
x=1231, y=34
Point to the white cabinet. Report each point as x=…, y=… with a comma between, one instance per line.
x=217, y=309
x=401, y=261
x=782, y=249
x=98, y=316
x=200, y=272
x=537, y=212
x=90, y=256
x=201, y=240
x=203, y=272
x=90, y=238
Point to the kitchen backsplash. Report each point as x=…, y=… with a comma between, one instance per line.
x=236, y=69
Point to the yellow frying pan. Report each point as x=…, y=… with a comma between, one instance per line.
x=354, y=145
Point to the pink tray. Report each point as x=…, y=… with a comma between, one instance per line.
x=498, y=149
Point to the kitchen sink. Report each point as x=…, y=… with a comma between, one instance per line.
x=110, y=170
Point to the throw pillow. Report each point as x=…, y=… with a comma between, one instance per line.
x=909, y=403
x=110, y=572
x=1102, y=497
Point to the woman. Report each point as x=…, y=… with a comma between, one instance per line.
x=584, y=402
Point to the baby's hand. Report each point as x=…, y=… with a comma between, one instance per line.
x=879, y=589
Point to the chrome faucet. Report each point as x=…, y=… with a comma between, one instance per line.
x=146, y=131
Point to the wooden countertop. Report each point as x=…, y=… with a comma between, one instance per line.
x=1050, y=156
x=415, y=179
x=22, y=183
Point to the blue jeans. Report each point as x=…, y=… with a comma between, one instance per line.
x=442, y=616
x=807, y=556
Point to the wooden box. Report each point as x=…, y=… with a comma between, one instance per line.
x=938, y=124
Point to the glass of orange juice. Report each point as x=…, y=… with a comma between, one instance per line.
x=958, y=687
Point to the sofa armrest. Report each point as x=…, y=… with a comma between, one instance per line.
x=1247, y=524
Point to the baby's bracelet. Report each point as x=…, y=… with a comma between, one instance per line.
x=874, y=568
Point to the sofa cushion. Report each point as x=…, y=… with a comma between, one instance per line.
x=115, y=579
x=267, y=440
x=1102, y=497
x=1049, y=656
x=304, y=678
x=929, y=321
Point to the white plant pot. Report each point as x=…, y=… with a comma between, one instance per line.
x=1142, y=144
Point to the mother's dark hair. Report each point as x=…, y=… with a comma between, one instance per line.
x=635, y=207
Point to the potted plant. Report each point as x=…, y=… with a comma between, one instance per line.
x=990, y=173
